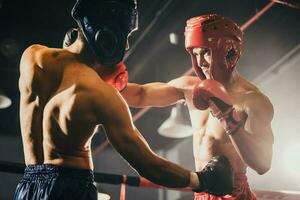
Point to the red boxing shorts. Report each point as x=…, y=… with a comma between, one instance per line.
x=241, y=191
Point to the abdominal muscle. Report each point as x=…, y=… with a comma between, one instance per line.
x=205, y=147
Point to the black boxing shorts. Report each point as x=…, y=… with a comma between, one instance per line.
x=51, y=182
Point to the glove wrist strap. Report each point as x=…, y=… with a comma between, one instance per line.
x=233, y=122
x=201, y=186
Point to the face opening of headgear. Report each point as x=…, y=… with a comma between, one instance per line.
x=224, y=39
x=106, y=26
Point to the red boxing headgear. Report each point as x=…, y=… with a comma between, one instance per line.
x=222, y=37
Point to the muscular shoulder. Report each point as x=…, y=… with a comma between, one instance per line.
x=39, y=56
x=33, y=59
x=30, y=71
x=36, y=68
x=29, y=56
x=184, y=82
x=108, y=102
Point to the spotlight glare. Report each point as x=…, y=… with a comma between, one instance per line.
x=5, y=102
x=292, y=159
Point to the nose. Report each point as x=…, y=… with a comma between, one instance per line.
x=202, y=61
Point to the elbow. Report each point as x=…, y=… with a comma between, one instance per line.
x=265, y=164
x=262, y=171
x=263, y=168
x=262, y=163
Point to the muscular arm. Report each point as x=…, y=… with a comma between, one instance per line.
x=151, y=94
x=254, y=141
x=127, y=140
x=158, y=94
x=31, y=104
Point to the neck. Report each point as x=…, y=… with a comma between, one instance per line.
x=231, y=83
x=83, y=53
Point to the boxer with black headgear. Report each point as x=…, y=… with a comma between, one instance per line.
x=230, y=116
x=106, y=25
x=116, y=75
x=64, y=98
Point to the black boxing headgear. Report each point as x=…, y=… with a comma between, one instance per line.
x=106, y=25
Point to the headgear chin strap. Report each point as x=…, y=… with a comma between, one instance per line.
x=106, y=25
x=222, y=37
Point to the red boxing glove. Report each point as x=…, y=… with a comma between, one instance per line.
x=116, y=76
x=211, y=94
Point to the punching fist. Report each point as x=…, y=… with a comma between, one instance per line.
x=211, y=94
x=116, y=76
x=216, y=177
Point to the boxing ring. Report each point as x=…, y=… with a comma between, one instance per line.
x=190, y=71
x=135, y=181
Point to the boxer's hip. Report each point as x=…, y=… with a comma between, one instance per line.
x=56, y=182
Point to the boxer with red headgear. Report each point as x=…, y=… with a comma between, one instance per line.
x=221, y=38
x=66, y=93
x=230, y=116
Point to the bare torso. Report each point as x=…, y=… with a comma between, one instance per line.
x=209, y=138
x=57, y=119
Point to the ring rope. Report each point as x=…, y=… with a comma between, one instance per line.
x=99, y=177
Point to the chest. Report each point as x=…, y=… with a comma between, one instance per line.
x=208, y=125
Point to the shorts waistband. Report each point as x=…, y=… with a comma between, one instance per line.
x=45, y=171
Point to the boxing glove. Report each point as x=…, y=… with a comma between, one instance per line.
x=217, y=177
x=210, y=94
x=116, y=76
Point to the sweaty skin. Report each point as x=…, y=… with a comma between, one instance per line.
x=250, y=146
x=63, y=100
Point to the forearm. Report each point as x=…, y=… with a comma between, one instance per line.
x=137, y=153
x=156, y=168
x=152, y=94
x=163, y=172
x=255, y=151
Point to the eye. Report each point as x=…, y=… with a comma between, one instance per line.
x=196, y=51
x=206, y=53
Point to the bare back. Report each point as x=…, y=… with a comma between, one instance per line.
x=57, y=118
